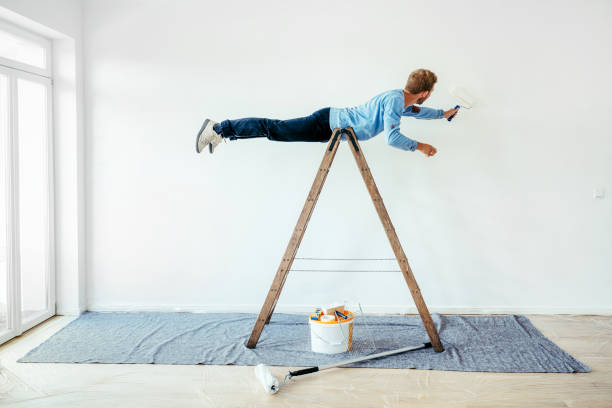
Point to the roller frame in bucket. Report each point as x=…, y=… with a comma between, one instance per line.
x=271, y=384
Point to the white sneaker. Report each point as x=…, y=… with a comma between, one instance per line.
x=207, y=136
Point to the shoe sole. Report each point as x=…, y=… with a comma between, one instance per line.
x=200, y=135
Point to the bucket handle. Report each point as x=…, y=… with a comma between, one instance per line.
x=327, y=342
x=334, y=344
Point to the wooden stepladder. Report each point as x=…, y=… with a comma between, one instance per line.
x=298, y=233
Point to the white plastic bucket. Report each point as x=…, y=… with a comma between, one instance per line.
x=331, y=337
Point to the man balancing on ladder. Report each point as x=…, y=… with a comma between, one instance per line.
x=382, y=112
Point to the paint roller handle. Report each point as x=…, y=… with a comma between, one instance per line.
x=304, y=371
x=453, y=115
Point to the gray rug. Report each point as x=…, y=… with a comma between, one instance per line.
x=472, y=343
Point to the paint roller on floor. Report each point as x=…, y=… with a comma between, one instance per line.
x=272, y=385
x=463, y=97
x=328, y=335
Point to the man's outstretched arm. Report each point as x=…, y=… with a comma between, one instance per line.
x=396, y=139
x=422, y=112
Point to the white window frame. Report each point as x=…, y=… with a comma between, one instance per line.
x=47, y=46
x=15, y=71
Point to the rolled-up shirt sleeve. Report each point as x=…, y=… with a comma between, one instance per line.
x=391, y=117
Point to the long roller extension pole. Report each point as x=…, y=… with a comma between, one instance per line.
x=271, y=384
x=369, y=357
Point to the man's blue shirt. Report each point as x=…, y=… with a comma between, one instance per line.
x=382, y=112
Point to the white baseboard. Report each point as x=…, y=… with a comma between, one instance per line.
x=368, y=309
x=70, y=312
x=70, y=309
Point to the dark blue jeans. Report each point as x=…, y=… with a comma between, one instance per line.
x=313, y=128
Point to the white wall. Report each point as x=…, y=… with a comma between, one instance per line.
x=501, y=219
x=60, y=15
x=61, y=21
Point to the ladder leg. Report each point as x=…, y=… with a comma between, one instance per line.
x=394, y=240
x=294, y=243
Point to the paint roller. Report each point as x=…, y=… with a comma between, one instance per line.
x=265, y=377
x=272, y=385
x=463, y=97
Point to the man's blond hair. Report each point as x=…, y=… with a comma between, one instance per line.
x=420, y=80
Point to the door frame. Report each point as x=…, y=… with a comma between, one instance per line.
x=14, y=322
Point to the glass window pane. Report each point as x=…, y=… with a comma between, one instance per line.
x=32, y=134
x=4, y=132
x=22, y=49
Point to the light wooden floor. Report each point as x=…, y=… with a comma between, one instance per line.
x=587, y=338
